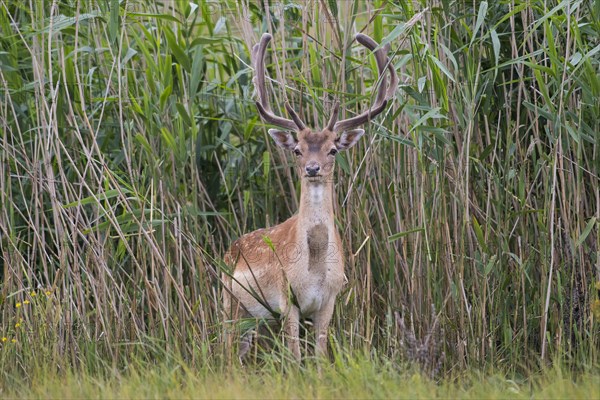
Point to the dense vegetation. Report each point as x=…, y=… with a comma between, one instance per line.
x=132, y=155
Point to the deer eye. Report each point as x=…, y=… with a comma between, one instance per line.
x=333, y=152
x=297, y=152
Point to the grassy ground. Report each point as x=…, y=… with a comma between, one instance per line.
x=347, y=379
x=132, y=155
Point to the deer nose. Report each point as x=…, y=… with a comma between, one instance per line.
x=312, y=169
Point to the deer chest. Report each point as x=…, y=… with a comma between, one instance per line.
x=322, y=274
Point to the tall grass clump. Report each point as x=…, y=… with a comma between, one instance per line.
x=132, y=155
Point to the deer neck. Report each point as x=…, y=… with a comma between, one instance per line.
x=316, y=203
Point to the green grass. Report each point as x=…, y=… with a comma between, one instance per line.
x=354, y=378
x=131, y=156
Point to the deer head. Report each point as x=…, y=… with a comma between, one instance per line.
x=316, y=149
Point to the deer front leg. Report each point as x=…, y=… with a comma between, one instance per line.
x=292, y=329
x=321, y=324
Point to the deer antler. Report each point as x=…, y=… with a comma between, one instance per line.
x=383, y=95
x=334, y=116
x=258, y=59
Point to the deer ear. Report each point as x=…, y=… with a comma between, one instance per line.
x=348, y=139
x=283, y=139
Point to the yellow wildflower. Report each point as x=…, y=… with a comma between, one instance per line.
x=18, y=325
x=597, y=285
x=18, y=305
x=32, y=294
x=14, y=340
x=596, y=308
x=4, y=339
x=26, y=302
x=48, y=293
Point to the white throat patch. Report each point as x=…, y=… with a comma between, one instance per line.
x=316, y=194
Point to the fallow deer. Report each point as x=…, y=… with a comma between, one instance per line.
x=295, y=269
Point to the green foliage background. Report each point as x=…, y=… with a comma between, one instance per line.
x=132, y=155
